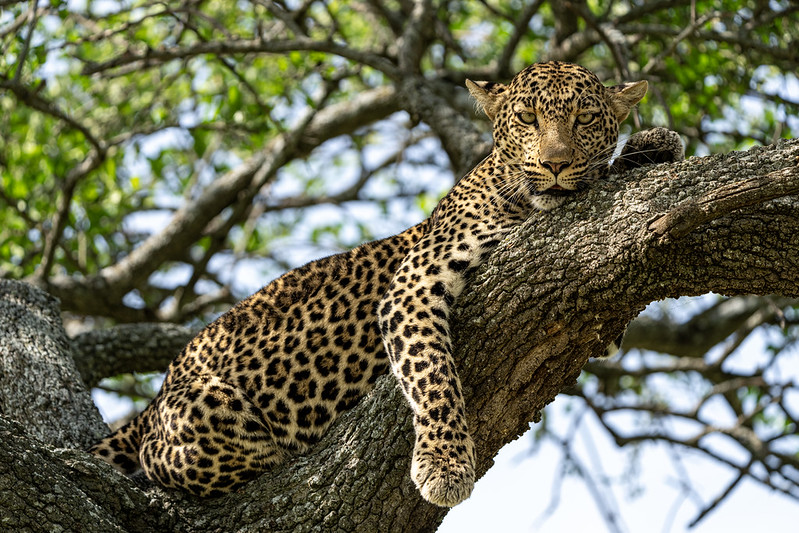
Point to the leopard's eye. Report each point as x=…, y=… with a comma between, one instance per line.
x=527, y=118
x=586, y=118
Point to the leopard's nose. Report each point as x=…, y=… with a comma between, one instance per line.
x=556, y=167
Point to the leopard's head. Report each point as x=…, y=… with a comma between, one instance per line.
x=556, y=125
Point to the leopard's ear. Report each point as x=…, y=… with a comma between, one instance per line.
x=624, y=97
x=489, y=96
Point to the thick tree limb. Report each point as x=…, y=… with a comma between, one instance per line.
x=554, y=293
x=43, y=489
x=38, y=380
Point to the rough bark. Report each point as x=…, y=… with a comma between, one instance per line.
x=38, y=379
x=553, y=294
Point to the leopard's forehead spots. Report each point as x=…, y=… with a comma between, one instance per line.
x=555, y=88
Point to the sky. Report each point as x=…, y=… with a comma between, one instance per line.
x=515, y=494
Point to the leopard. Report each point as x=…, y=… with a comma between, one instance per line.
x=265, y=380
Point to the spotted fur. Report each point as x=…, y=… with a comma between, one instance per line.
x=267, y=378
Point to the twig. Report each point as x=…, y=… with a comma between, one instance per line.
x=33, y=15
x=655, y=61
x=722, y=496
x=53, y=236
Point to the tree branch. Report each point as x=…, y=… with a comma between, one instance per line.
x=38, y=380
x=33, y=15
x=413, y=41
x=149, y=57
x=45, y=489
x=32, y=98
x=693, y=213
x=704, y=330
x=520, y=27
x=459, y=136
x=127, y=348
x=63, y=203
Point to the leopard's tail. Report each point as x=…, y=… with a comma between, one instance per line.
x=121, y=448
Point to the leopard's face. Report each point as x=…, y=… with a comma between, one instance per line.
x=555, y=127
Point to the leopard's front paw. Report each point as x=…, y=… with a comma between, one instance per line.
x=444, y=474
x=649, y=147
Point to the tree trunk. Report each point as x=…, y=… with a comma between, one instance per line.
x=554, y=293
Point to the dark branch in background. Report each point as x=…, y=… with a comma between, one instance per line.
x=613, y=39
x=656, y=61
x=413, y=42
x=566, y=23
x=520, y=24
x=15, y=27
x=33, y=15
x=127, y=348
x=52, y=237
x=649, y=8
x=459, y=137
x=33, y=99
x=150, y=58
x=706, y=329
x=242, y=81
x=785, y=57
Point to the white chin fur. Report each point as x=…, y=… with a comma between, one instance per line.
x=546, y=202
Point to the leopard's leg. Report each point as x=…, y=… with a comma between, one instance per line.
x=206, y=437
x=648, y=147
x=414, y=318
